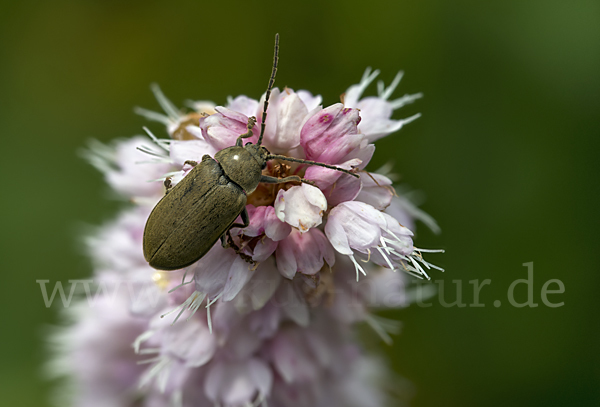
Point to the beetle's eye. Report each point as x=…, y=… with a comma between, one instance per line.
x=264, y=165
x=248, y=144
x=266, y=151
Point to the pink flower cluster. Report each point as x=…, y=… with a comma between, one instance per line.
x=277, y=330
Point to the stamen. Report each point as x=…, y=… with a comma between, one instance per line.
x=182, y=282
x=385, y=257
x=380, y=88
x=418, y=267
x=388, y=92
x=209, y=303
x=142, y=338
x=357, y=267
x=155, y=370
x=162, y=143
x=153, y=116
x=405, y=100
x=430, y=250
x=429, y=265
x=378, y=328
x=157, y=156
x=147, y=361
x=169, y=108
x=177, y=398
x=148, y=351
x=368, y=257
x=192, y=300
x=366, y=80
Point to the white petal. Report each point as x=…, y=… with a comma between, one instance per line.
x=301, y=206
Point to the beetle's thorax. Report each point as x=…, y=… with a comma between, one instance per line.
x=243, y=165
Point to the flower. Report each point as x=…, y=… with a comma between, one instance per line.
x=269, y=319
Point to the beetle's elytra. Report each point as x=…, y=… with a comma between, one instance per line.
x=202, y=207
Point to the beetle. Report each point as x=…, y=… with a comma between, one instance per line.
x=203, y=206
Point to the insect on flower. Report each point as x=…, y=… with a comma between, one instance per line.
x=202, y=208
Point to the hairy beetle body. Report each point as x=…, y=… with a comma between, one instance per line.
x=195, y=213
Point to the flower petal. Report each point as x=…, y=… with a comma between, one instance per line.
x=330, y=132
x=274, y=228
x=301, y=206
x=376, y=190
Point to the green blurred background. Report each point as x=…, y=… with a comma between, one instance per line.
x=506, y=152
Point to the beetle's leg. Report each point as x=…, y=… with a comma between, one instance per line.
x=245, y=219
x=251, y=123
x=191, y=162
x=292, y=178
x=238, y=251
x=224, y=241
x=229, y=241
x=168, y=185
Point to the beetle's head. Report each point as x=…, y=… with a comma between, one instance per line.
x=259, y=153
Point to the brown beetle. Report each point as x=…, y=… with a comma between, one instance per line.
x=203, y=206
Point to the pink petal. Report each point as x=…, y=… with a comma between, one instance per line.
x=292, y=303
x=328, y=128
x=303, y=252
x=244, y=105
x=274, y=228
x=361, y=223
x=240, y=273
x=286, y=260
x=263, y=249
x=286, y=115
x=291, y=359
x=223, y=128
x=346, y=188
x=311, y=102
x=211, y=271
x=376, y=190
x=325, y=177
x=257, y=221
x=261, y=375
x=191, y=342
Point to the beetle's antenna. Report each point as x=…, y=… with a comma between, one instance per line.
x=271, y=83
x=299, y=160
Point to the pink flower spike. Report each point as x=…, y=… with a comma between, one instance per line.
x=301, y=206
